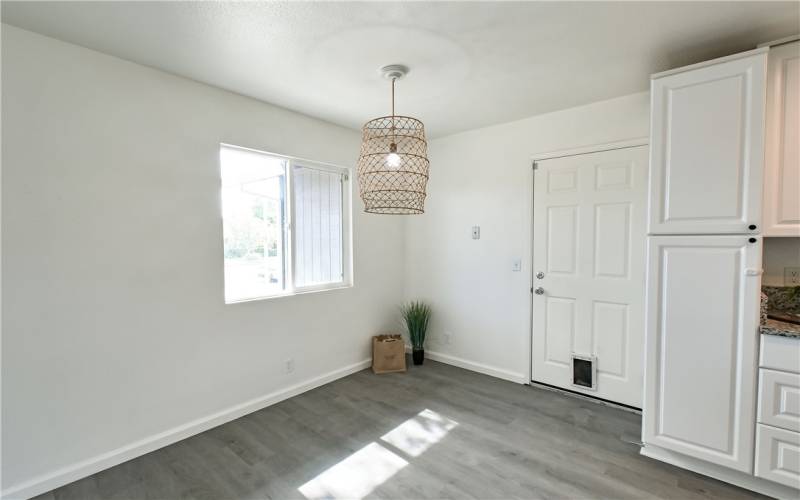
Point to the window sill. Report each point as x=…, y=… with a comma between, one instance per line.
x=303, y=291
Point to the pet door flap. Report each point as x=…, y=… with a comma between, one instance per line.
x=584, y=371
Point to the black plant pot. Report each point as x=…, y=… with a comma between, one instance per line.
x=418, y=355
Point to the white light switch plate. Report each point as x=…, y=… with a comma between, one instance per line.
x=791, y=276
x=517, y=265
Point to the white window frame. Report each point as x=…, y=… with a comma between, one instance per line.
x=289, y=240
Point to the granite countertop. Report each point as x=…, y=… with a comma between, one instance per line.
x=777, y=304
x=781, y=328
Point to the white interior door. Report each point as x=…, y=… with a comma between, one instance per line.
x=588, y=257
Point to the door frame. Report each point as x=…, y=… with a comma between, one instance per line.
x=550, y=155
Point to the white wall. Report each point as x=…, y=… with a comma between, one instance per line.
x=484, y=177
x=114, y=324
x=779, y=253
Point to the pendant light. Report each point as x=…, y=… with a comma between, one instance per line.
x=393, y=164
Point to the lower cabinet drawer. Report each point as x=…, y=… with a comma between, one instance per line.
x=779, y=399
x=780, y=353
x=778, y=455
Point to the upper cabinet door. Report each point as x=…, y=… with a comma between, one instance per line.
x=782, y=168
x=707, y=147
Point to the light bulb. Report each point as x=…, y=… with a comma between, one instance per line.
x=393, y=160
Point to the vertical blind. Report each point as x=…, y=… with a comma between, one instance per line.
x=317, y=226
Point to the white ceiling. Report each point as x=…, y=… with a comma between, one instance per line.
x=472, y=64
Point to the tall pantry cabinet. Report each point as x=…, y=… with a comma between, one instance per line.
x=706, y=217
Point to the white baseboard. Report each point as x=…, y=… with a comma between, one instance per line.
x=724, y=474
x=519, y=378
x=70, y=473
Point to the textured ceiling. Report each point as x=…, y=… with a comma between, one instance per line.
x=472, y=64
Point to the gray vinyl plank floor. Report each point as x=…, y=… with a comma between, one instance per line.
x=435, y=432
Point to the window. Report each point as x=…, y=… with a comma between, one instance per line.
x=285, y=224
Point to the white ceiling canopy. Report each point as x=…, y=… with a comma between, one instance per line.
x=472, y=64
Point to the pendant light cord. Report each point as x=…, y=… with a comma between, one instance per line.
x=394, y=138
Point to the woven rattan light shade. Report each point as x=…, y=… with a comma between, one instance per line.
x=393, y=166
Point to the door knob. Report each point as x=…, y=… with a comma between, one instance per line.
x=540, y=275
x=539, y=291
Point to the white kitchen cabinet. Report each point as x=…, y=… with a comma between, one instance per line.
x=782, y=156
x=779, y=399
x=701, y=347
x=708, y=188
x=778, y=430
x=778, y=456
x=707, y=147
x=780, y=353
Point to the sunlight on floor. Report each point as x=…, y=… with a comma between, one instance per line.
x=416, y=435
x=357, y=475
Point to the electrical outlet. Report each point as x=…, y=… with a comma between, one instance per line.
x=476, y=232
x=446, y=338
x=516, y=265
x=791, y=276
x=290, y=365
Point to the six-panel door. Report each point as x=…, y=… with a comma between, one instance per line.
x=707, y=154
x=701, y=346
x=589, y=243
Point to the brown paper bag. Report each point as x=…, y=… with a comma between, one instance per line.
x=388, y=354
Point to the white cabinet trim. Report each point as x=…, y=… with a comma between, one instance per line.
x=712, y=62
